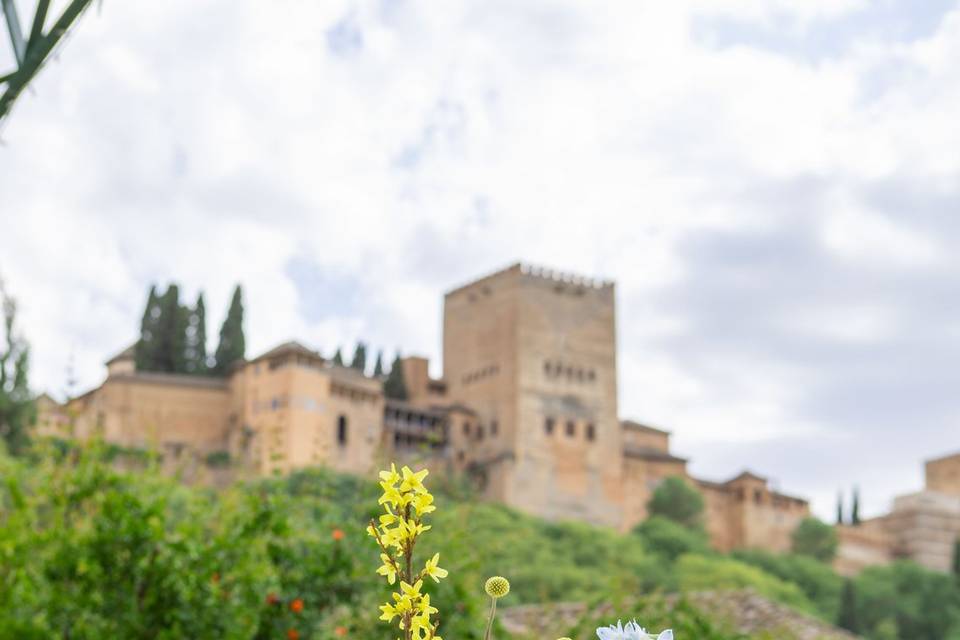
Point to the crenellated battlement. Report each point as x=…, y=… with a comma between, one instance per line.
x=554, y=276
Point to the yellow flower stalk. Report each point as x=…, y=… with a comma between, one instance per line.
x=405, y=501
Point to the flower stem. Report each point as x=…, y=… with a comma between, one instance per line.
x=493, y=612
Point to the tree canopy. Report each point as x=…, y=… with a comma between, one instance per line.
x=17, y=410
x=816, y=539
x=676, y=500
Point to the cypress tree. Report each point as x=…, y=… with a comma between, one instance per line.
x=359, y=361
x=146, y=351
x=394, y=386
x=855, y=509
x=196, y=349
x=378, y=366
x=338, y=358
x=172, y=332
x=847, y=616
x=232, y=345
x=840, y=508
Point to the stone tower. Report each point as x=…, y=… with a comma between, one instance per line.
x=533, y=352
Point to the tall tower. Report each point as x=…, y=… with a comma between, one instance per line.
x=533, y=352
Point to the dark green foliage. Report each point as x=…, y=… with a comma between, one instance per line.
x=840, y=508
x=669, y=539
x=338, y=358
x=359, y=361
x=847, y=617
x=378, y=366
x=815, y=539
x=195, y=356
x=956, y=560
x=394, y=386
x=232, y=346
x=676, y=500
x=918, y=603
x=172, y=332
x=855, y=508
x=218, y=459
x=17, y=410
x=147, y=350
x=819, y=583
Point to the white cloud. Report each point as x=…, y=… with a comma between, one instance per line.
x=210, y=142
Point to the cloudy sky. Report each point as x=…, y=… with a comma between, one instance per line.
x=772, y=184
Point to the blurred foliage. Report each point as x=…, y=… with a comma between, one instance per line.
x=90, y=551
x=816, y=539
x=674, y=499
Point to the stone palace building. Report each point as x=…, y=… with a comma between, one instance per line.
x=527, y=407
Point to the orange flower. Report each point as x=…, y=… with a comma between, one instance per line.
x=338, y=534
x=340, y=631
x=293, y=634
x=296, y=606
x=272, y=598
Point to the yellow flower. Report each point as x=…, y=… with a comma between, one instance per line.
x=497, y=587
x=389, y=612
x=392, y=496
x=390, y=477
x=423, y=503
x=411, y=591
x=433, y=570
x=413, y=481
x=387, y=569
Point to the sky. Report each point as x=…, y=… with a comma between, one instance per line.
x=774, y=185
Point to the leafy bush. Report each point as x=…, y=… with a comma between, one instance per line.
x=818, y=581
x=676, y=500
x=669, y=539
x=919, y=604
x=700, y=573
x=815, y=539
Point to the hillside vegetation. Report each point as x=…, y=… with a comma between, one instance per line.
x=87, y=551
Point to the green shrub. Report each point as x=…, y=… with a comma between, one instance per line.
x=702, y=573
x=669, y=539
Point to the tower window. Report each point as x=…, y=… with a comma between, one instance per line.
x=591, y=432
x=548, y=426
x=494, y=427
x=466, y=428
x=480, y=432
x=571, y=428
x=342, y=430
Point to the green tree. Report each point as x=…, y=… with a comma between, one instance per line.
x=147, y=349
x=816, y=539
x=359, y=361
x=855, y=508
x=338, y=358
x=840, y=507
x=922, y=604
x=676, y=500
x=847, y=618
x=378, y=365
x=17, y=411
x=231, y=347
x=956, y=560
x=670, y=539
x=394, y=386
x=172, y=332
x=196, y=338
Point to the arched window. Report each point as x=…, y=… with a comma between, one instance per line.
x=548, y=426
x=342, y=430
x=571, y=428
x=591, y=432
